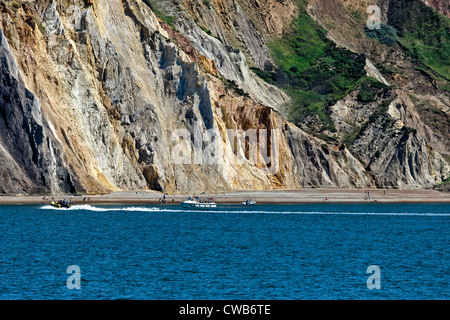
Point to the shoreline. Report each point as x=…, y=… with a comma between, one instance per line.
x=283, y=196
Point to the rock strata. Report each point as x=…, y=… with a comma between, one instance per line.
x=99, y=96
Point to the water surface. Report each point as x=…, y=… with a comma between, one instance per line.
x=263, y=252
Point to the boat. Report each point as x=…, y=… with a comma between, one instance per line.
x=61, y=204
x=196, y=202
x=248, y=202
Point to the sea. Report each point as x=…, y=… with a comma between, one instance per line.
x=370, y=251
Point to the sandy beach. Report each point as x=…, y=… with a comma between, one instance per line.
x=307, y=195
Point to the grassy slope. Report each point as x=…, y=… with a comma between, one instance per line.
x=312, y=69
x=424, y=34
x=316, y=73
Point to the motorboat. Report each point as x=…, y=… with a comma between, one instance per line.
x=248, y=202
x=61, y=204
x=196, y=202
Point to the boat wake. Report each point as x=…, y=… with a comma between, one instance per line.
x=86, y=207
x=406, y=214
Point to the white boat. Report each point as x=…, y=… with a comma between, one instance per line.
x=197, y=203
x=248, y=202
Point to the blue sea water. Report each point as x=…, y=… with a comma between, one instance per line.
x=262, y=252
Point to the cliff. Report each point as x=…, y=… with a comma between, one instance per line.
x=99, y=95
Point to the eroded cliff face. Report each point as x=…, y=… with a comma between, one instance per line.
x=391, y=140
x=29, y=150
x=417, y=93
x=96, y=95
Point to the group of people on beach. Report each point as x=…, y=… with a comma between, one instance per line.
x=163, y=199
x=366, y=192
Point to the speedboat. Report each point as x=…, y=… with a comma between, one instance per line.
x=61, y=204
x=197, y=203
x=248, y=202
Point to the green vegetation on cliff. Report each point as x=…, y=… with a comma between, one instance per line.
x=423, y=34
x=316, y=73
x=312, y=69
x=386, y=34
x=369, y=88
x=444, y=185
x=164, y=17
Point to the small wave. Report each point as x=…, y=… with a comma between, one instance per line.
x=87, y=207
x=323, y=213
x=319, y=213
x=407, y=214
